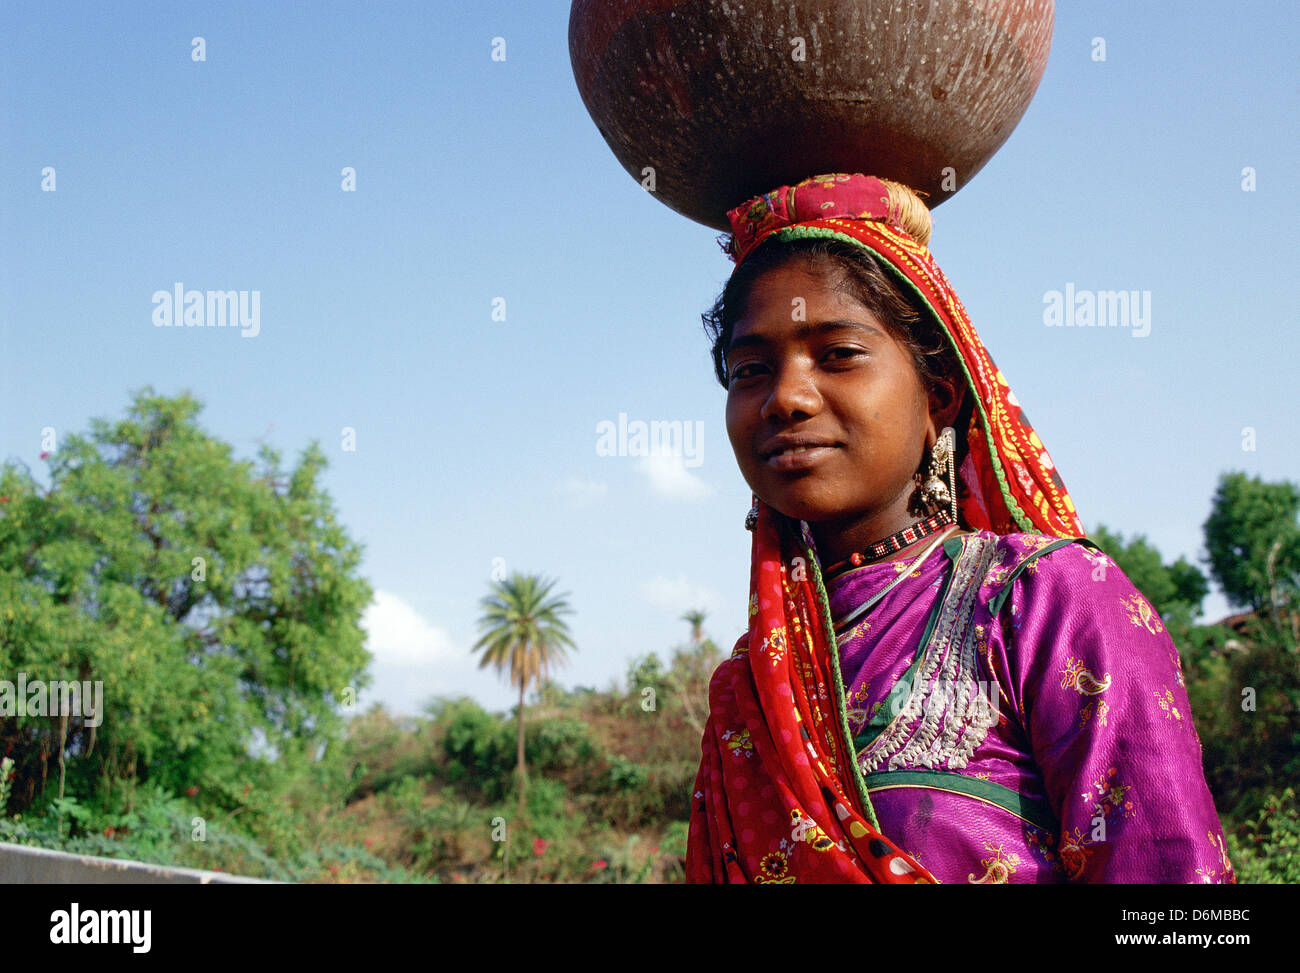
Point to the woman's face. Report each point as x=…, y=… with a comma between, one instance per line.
x=808, y=365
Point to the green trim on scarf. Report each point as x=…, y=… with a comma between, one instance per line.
x=821, y=232
x=1037, y=813
x=841, y=707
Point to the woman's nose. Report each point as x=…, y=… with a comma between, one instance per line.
x=794, y=393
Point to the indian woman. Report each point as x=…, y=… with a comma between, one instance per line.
x=942, y=680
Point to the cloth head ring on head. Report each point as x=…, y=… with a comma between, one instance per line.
x=1011, y=482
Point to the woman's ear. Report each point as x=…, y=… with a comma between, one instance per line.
x=945, y=401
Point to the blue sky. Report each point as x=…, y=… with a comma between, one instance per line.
x=480, y=179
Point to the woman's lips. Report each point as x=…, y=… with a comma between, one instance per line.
x=801, y=458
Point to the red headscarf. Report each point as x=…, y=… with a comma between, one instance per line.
x=779, y=795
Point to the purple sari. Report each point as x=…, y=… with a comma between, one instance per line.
x=1020, y=715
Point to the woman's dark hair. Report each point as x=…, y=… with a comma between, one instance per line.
x=861, y=274
x=854, y=270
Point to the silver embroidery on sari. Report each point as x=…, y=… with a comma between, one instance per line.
x=948, y=710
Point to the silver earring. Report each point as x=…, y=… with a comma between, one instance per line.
x=940, y=486
x=751, y=518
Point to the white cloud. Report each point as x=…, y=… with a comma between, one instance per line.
x=398, y=635
x=414, y=660
x=669, y=477
x=678, y=595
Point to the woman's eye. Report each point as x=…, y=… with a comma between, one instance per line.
x=745, y=371
x=844, y=353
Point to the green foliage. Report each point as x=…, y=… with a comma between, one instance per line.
x=688, y=680
x=434, y=830
x=6, y=782
x=161, y=830
x=1253, y=540
x=646, y=672
x=625, y=776
x=636, y=794
x=681, y=689
x=218, y=604
x=560, y=745
x=1244, y=689
x=384, y=750
x=523, y=629
x=675, y=839
x=581, y=813
x=479, y=748
x=546, y=807
x=674, y=844
x=1269, y=851
x=622, y=864
x=1243, y=682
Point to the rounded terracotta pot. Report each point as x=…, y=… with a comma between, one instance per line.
x=710, y=102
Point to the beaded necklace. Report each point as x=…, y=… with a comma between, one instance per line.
x=891, y=544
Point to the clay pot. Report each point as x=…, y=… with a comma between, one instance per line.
x=710, y=102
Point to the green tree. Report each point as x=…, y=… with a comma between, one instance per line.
x=645, y=672
x=218, y=604
x=1253, y=540
x=523, y=629
x=1251, y=682
x=692, y=668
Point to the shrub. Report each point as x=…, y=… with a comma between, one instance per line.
x=1270, y=851
x=559, y=745
x=480, y=747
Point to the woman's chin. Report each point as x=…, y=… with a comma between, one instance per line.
x=813, y=510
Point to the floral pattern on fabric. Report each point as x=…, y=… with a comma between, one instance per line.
x=998, y=867
x=1141, y=613
x=1075, y=675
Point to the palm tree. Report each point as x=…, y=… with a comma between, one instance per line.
x=695, y=618
x=522, y=629
x=691, y=671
